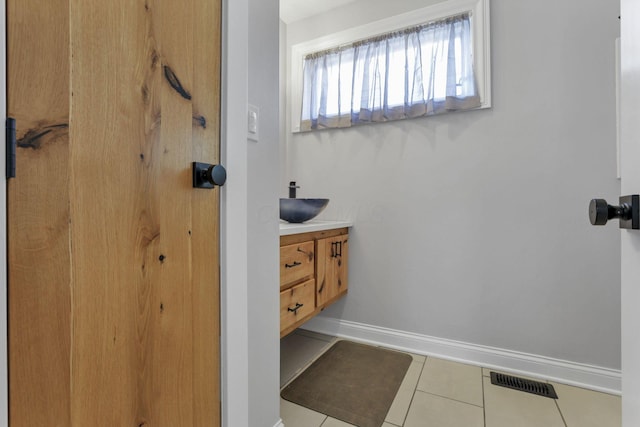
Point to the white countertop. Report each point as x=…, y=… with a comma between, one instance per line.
x=313, y=225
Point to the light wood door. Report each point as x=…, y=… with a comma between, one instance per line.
x=113, y=257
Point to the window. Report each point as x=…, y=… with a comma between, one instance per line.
x=435, y=65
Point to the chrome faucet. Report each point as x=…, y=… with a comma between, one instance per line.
x=292, y=189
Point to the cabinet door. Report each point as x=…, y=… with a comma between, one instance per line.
x=332, y=268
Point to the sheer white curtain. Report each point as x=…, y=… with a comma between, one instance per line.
x=410, y=73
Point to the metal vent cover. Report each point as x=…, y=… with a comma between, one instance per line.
x=529, y=386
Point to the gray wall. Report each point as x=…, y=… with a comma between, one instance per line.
x=473, y=226
x=263, y=234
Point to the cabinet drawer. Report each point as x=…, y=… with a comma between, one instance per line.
x=297, y=303
x=296, y=262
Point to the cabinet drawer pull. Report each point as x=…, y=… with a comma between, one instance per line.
x=295, y=309
x=295, y=264
x=336, y=249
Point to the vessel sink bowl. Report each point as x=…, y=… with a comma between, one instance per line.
x=301, y=210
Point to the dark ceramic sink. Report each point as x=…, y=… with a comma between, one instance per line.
x=301, y=210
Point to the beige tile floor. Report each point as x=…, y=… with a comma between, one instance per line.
x=441, y=393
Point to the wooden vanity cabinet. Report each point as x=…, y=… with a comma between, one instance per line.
x=313, y=274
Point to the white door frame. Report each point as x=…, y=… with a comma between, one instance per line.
x=630, y=241
x=233, y=215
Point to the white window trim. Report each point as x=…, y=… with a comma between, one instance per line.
x=479, y=10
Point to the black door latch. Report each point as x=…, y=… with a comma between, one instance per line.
x=628, y=212
x=208, y=176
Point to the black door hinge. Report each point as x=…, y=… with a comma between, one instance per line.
x=11, y=148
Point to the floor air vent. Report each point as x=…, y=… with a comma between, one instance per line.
x=535, y=387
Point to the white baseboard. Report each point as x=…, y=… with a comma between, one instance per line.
x=279, y=424
x=546, y=368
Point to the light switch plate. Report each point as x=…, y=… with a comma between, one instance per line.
x=253, y=123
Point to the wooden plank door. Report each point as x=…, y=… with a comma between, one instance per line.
x=113, y=256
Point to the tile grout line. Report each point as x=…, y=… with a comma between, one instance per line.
x=484, y=401
x=404, y=420
x=560, y=412
x=449, y=398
